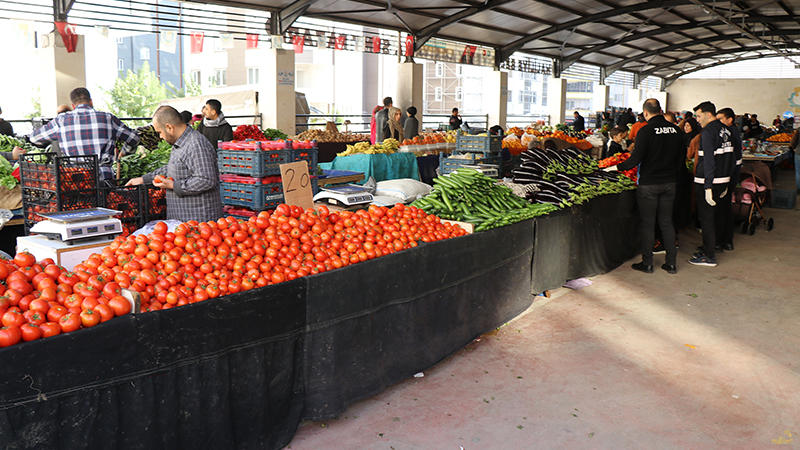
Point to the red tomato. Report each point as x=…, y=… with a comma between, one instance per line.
x=41, y=304
x=105, y=312
x=35, y=317
x=10, y=336
x=120, y=305
x=55, y=313
x=89, y=318
x=13, y=318
x=21, y=286
x=3, y=271
x=30, y=332
x=69, y=322
x=24, y=259
x=50, y=329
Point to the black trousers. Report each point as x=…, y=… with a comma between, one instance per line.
x=723, y=218
x=707, y=215
x=656, y=200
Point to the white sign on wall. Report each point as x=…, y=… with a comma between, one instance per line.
x=285, y=78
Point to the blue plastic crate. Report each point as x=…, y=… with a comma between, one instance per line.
x=486, y=144
x=257, y=197
x=309, y=155
x=255, y=163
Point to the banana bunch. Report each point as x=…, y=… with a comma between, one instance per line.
x=364, y=148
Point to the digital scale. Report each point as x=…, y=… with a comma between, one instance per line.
x=73, y=226
x=348, y=195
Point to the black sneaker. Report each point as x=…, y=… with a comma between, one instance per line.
x=659, y=248
x=669, y=268
x=728, y=247
x=703, y=260
x=641, y=267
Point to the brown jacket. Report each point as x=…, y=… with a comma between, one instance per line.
x=694, y=147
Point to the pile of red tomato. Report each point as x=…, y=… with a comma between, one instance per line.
x=42, y=299
x=198, y=261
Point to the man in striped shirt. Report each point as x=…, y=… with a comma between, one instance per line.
x=85, y=131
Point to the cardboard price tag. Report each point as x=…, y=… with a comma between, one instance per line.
x=297, y=185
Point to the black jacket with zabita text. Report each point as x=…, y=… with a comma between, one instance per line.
x=660, y=152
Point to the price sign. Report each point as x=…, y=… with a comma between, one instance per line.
x=297, y=185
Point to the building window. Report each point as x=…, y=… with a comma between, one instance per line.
x=194, y=75
x=252, y=75
x=459, y=93
x=221, y=77
x=459, y=70
x=120, y=41
x=533, y=98
x=437, y=94
x=120, y=65
x=510, y=96
x=144, y=53
x=439, y=69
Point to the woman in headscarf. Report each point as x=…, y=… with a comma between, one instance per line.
x=393, y=129
x=692, y=129
x=373, y=126
x=411, y=128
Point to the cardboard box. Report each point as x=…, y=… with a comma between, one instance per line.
x=64, y=255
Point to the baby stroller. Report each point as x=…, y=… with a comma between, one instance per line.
x=750, y=196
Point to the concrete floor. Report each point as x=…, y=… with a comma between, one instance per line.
x=705, y=359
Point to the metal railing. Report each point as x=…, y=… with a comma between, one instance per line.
x=476, y=122
x=525, y=120
x=359, y=123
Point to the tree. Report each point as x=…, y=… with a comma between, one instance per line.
x=138, y=94
x=36, y=102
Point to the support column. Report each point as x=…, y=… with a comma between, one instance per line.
x=496, y=106
x=66, y=71
x=635, y=100
x=661, y=96
x=410, y=87
x=276, y=96
x=556, y=99
x=600, y=98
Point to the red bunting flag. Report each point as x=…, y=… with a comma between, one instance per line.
x=376, y=45
x=68, y=35
x=197, y=42
x=252, y=41
x=340, y=42
x=409, y=45
x=298, y=42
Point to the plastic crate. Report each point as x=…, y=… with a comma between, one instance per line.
x=252, y=196
x=490, y=144
x=255, y=163
x=783, y=198
x=128, y=199
x=131, y=224
x=308, y=155
x=58, y=173
x=451, y=164
x=156, y=201
x=44, y=201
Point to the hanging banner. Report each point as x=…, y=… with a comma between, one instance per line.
x=168, y=41
x=409, y=45
x=298, y=42
x=24, y=33
x=322, y=41
x=68, y=35
x=468, y=54
x=226, y=40
x=252, y=41
x=102, y=31
x=448, y=51
x=197, y=39
x=376, y=45
x=340, y=40
x=277, y=42
x=360, y=43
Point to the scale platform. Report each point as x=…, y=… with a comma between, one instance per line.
x=79, y=225
x=348, y=195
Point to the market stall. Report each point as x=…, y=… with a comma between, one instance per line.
x=379, y=166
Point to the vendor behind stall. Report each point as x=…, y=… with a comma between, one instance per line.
x=86, y=131
x=192, y=182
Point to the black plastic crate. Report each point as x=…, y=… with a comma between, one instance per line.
x=131, y=224
x=155, y=200
x=58, y=173
x=44, y=201
x=127, y=199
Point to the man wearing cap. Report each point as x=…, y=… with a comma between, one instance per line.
x=214, y=126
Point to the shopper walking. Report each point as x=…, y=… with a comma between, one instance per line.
x=659, y=151
x=381, y=117
x=715, y=164
x=411, y=127
x=373, y=125
x=578, y=123
x=724, y=216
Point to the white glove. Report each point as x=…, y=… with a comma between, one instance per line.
x=610, y=169
x=723, y=193
x=710, y=198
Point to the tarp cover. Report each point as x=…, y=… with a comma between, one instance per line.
x=225, y=373
x=370, y=326
x=585, y=240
